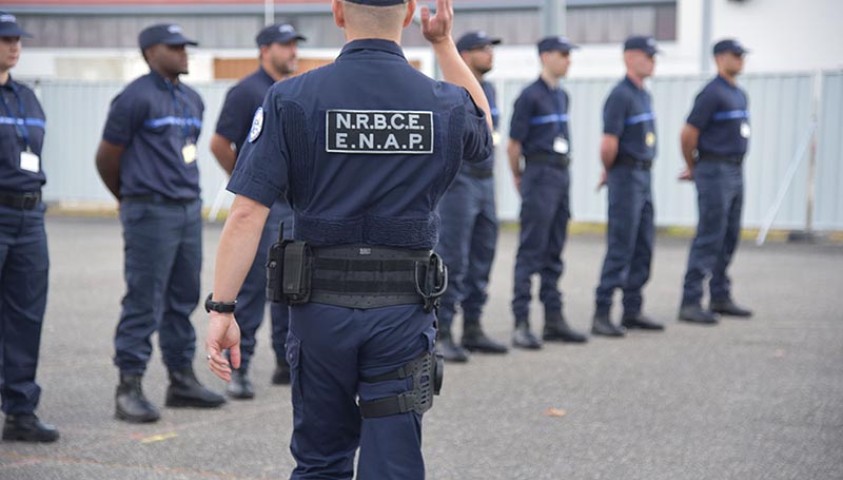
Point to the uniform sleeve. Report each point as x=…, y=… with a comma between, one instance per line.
x=235, y=117
x=704, y=107
x=614, y=114
x=477, y=140
x=125, y=117
x=519, y=124
x=261, y=169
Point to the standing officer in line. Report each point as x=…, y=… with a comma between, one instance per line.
x=469, y=228
x=278, y=46
x=539, y=133
x=714, y=143
x=24, y=261
x=627, y=152
x=147, y=159
x=364, y=149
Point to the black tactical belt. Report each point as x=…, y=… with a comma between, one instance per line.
x=555, y=159
x=628, y=161
x=20, y=201
x=708, y=157
x=159, y=199
x=478, y=173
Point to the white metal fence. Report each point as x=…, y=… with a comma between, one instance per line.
x=781, y=105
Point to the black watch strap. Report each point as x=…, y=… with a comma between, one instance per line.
x=220, y=307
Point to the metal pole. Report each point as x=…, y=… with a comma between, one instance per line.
x=268, y=12
x=553, y=13
x=705, y=63
x=812, y=158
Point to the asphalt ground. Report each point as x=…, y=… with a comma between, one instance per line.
x=757, y=399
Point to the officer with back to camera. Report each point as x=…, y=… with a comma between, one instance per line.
x=538, y=133
x=469, y=229
x=24, y=260
x=364, y=149
x=714, y=143
x=278, y=46
x=147, y=159
x=627, y=151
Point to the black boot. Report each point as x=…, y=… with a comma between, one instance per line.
x=131, y=404
x=601, y=324
x=450, y=351
x=694, y=313
x=475, y=340
x=522, y=337
x=556, y=329
x=729, y=307
x=27, y=428
x=240, y=386
x=641, y=322
x=281, y=375
x=186, y=391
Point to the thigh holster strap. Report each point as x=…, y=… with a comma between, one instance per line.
x=426, y=372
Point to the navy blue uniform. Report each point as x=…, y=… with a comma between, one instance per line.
x=540, y=123
x=361, y=164
x=158, y=123
x=234, y=122
x=469, y=234
x=628, y=115
x=721, y=114
x=24, y=260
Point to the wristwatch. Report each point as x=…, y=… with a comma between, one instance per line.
x=220, y=307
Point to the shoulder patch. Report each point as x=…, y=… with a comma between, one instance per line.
x=257, y=125
x=379, y=131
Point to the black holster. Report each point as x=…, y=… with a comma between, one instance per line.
x=288, y=271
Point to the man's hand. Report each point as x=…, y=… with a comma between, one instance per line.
x=438, y=27
x=686, y=175
x=516, y=176
x=223, y=333
x=604, y=177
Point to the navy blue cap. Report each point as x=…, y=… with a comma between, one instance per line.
x=560, y=43
x=378, y=3
x=9, y=26
x=164, y=33
x=729, y=45
x=472, y=40
x=644, y=43
x=278, y=33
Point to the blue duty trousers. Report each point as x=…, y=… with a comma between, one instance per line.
x=329, y=349
x=24, y=267
x=720, y=202
x=163, y=259
x=251, y=301
x=545, y=213
x=467, y=239
x=629, y=239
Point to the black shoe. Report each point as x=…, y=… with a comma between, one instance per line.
x=641, y=322
x=186, y=391
x=474, y=340
x=695, y=314
x=450, y=351
x=240, y=386
x=556, y=329
x=728, y=307
x=27, y=428
x=522, y=337
x=281, y=375
x=131, y=404
x=601, y=324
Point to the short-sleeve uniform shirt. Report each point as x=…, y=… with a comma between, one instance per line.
x=722, y=116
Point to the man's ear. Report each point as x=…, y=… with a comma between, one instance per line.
x=339, y=13
x=411, y=11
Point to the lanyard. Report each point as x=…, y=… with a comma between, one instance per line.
x=20, y=122
x=185, y=113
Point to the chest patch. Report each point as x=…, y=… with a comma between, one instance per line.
x=378, y=131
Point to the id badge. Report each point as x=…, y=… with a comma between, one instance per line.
x=745, y=131
x=560, y=145
x=188, y=153
x=30, y=162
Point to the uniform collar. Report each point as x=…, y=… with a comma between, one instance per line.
x=387, y=46
x=10, y=83
x=265, y=75
x=547, y=87
x=632, y=84
x=723, y=80
x=162, y=82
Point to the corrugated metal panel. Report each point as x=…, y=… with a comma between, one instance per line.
x=780, y=107
x=828, y=210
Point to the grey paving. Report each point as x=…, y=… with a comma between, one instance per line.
x=757, y=399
